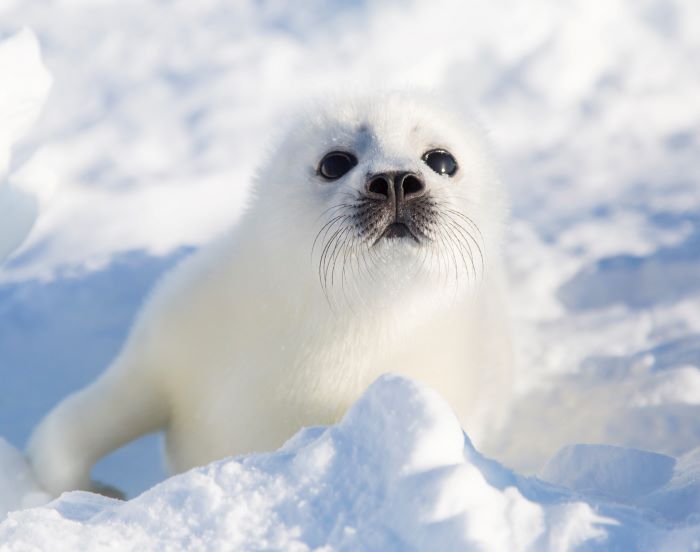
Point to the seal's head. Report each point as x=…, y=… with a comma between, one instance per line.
x=391, y=189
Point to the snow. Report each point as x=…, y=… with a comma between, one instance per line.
x=619, y=473
x=397, y=473
x=25, y=85
x=157, y=117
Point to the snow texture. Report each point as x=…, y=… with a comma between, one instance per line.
x=397, y=473
x=25, y=85
x=159, y=112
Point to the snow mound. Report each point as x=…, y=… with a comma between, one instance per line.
x=397, y=473
x=607, y=470
x=25, y=85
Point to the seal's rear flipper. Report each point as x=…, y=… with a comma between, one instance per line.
x=117, y=408
x=107, y=490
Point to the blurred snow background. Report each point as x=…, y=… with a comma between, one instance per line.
x=25, y=85
x=160, y=111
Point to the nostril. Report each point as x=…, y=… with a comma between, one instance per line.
x=379, y=186
x=412, y=186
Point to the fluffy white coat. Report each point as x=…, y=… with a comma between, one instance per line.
x=241, y=345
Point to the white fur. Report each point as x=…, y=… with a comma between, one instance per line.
x=239, y=346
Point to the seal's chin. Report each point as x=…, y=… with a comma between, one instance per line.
x=397, y=231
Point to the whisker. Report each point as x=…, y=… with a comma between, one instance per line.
x=336, y=252
x=449, y=240
x=455, y=238
x=327, y=227
x=458, y=229
x=323, y=261
x=473, y=239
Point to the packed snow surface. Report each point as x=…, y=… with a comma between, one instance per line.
x=397, y=473
x=159, y=112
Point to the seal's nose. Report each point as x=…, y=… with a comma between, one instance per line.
x=400, y=187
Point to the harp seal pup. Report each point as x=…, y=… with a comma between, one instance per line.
x=371, y=245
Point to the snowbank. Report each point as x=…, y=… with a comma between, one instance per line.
x=397, y=473
x=25, y=85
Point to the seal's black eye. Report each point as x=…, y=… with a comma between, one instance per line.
x=335, y=164
x=441, y=161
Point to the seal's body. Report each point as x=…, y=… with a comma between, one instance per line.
x=371, y=246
